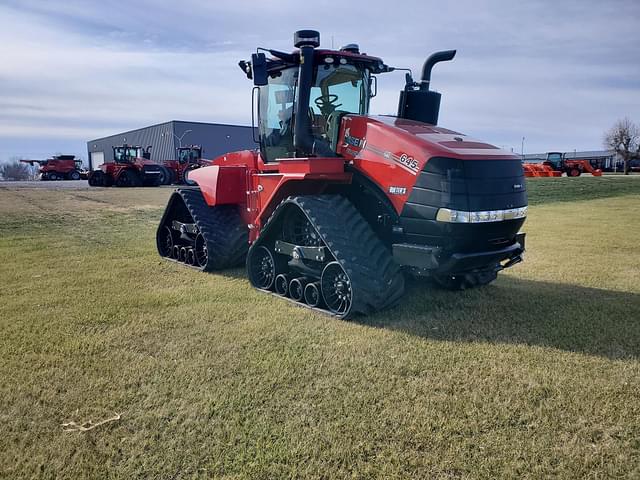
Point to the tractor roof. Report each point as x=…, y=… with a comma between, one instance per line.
x=281, y=60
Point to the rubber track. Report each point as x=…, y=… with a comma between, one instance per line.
x=377, y=282
x=226, y=234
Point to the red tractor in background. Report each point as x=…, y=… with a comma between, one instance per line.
x=59, y=167
x=132, y=167
x=189, y=158
x=556, y=164
x=337, y=205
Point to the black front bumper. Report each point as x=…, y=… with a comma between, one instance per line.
x=429, y=260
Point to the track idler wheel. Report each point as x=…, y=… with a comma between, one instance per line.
x=281, y=285
x=191, y=258
x=166, y=242
x=296, y=288
x=336, y=289
x=262, y=268
x=176, y=252
x=312, y=294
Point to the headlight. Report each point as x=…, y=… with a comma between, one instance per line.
x=457, y=216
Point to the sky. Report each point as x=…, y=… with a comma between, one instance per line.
x=558, y=73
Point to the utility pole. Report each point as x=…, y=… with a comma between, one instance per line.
x=522, y=149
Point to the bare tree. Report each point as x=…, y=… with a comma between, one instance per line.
x=14, y=170
x=624, y=139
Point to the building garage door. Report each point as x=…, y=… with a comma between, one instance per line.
x=97, y=159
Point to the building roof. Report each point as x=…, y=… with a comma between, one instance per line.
x=170, y=122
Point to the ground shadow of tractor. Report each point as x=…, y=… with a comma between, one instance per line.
x=568, y=317
x=511, y=310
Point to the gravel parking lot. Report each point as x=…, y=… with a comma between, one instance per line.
x=66, y=184
x=61, y=185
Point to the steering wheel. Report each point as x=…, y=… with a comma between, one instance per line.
x=327, y=103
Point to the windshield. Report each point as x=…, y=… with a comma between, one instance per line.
x=124, y=155
x=340, y=87
x=554, y=158
x=188, y=155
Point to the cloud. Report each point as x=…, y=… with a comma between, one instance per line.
x=557, y=73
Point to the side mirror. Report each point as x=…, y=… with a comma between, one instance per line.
x=259, y=69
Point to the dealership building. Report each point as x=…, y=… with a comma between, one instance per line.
x=164, y=138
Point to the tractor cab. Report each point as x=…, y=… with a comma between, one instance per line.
x=129, y=154
x=303, y=95
x=555, y=160
x=189, y=155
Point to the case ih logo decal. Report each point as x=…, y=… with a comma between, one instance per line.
x=353, y=141
x=407, y=162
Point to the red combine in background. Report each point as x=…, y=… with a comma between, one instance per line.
x=132, y=167
x=59, y=167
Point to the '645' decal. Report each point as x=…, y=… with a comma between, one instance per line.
x=405, y=161
x=408, y=162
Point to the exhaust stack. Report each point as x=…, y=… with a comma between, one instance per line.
x=417, y=102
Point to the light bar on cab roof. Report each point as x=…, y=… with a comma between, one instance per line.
x=456, y=216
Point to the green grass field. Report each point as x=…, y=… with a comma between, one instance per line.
x=537, y=375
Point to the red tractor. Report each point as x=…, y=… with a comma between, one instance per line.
x=60, y=167
x=559, y=162
x=132, y=167
x=189, y=158
x=337, y=205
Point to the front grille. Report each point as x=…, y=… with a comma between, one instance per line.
x=465, y=185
